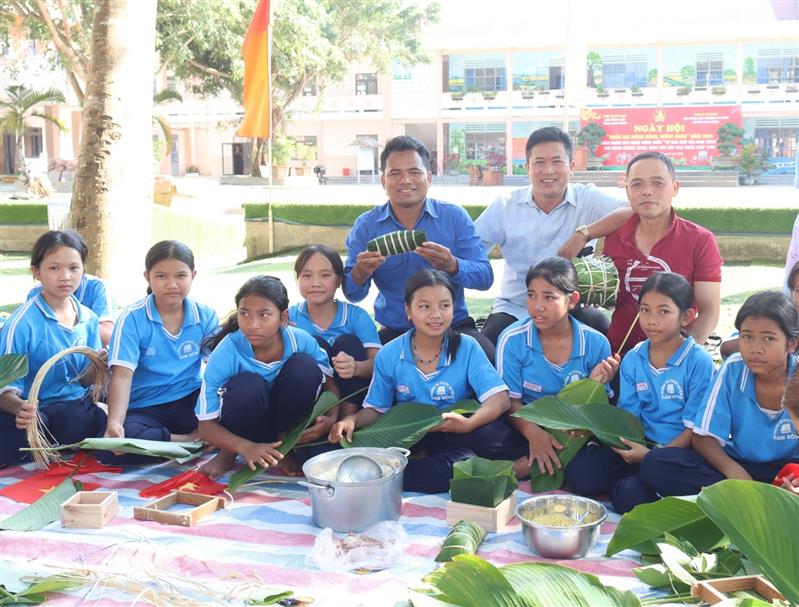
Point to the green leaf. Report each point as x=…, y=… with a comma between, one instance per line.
x=325, y=402
x=463, y=538
x=12, y=366
x=646, y=523
x=482, y=482
x=541, y=481
x=43, y=511
x=469, y=581
x=271, y=599
x=677, y=562
x=405, y=424
x=584, y=391
x=761, y=521
x=656, y=576
x=139, y=446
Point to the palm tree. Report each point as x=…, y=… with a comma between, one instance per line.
x=163, y=97
x=18, y=107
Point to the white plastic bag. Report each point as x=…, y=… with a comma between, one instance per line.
x=381, y=546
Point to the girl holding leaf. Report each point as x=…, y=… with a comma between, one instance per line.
x=788, y=477
x=663, y=381
x=343, y=330
x=537, y=356
x=261, y=379
x=434, y=365
x=741, y=430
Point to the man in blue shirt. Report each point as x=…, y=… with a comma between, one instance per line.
x=452, y=244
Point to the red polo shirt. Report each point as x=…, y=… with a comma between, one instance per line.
x=687, y=249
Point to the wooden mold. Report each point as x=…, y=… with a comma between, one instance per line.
x=715, y=591
x=158, y=511
x=492, y=520
x=89, y=509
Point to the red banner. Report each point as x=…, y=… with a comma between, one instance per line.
x=686, y=134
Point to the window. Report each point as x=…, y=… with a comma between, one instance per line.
x=624, y=71
x=485, y=78
x=776, y=66
x=366, y=84
x=709, y=69
x=33, y=143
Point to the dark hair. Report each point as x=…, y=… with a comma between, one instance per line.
x=792, y=275
x=774, y=306
x=167, y=249
x=268, y=287
x=404, y=143
x=653, y=156
x=330, y=253
x=674, y=286
x=545, y=135
x=790, y=400
x=433, y=278
x=557, y=271
x=55, y=239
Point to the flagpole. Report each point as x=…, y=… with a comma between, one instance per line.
x=270, y=221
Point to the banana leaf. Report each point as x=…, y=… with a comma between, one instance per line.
x=469, y=581
x=43, y=511
x=12, y=366
x=405, y=424
x=646, y=524
x=761, y=520
x=463, y=538
x=325, y=402
x=35, y=593
x=584, y=391
x=139, y=446
x=482, y=482
x=272, y=599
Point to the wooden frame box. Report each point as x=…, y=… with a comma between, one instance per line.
x=157, y=511
x=89, y=509
x=491, y=519
x=715, y=591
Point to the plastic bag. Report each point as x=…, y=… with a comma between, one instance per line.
x=381, y=546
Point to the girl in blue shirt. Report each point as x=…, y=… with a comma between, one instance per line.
x=537, y=356
x=48, y=323
x=343, y=330
x=156, y=353
x=741, y=429
x=434, y=365
x=262, y=378
x=663, y=381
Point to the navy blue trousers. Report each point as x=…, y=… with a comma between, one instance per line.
x=673, y=471
x=68, y=422
x=253, y=410
x=597, y=470
x=349, y=344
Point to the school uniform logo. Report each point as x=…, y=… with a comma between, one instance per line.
x=189, y=349
x=671, y=390
x=784, y=430
x=573, y=376
x=442, y=391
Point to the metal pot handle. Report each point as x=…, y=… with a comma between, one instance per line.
x=326, y=490
x=405, y=452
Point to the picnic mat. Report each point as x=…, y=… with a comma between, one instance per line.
x=256, y=546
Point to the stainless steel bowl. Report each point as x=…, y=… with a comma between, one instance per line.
x=561, y=542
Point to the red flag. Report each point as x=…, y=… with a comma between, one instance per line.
x=257, y=100
x=38, y=485
x=192, y=480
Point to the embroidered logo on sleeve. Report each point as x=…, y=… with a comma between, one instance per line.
x=403, y=389
x=532, y=387
x=641, y=386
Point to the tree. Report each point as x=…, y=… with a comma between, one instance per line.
x=728, y=138
x=591, y=136
x=161, y=97
x=594, y=65
x=18, y=107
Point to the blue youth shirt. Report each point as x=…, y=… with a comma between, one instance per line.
x=349, y=319
x=165, y=367
x=444, y=223
x=528, y=373
x=234, y=355
x=397, y=379
x=92, y=293
x=731, y=414
x=666, y=400
x=33, y=329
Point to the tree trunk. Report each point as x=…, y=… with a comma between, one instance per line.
x=112, y=196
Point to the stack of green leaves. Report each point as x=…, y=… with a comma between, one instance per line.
x=482, y=482
x=463, y=538
x=597, y=280
x=393, y=243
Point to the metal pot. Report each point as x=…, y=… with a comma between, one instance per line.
x=346, y=506
x=572, y=542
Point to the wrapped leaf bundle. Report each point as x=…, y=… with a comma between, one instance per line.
x=393, y=243
x=463, y=538
x=597, y=280
x=482, y=482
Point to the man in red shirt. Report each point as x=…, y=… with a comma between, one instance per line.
x=655, y=239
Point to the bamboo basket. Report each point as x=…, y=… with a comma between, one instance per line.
x=597, y=280
x=38, y=435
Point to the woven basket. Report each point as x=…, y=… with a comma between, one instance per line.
x=597, y=281
x=38, y=439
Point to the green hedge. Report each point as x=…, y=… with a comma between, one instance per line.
x=717, y=220
x=23, y=213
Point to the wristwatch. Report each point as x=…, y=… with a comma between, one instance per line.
x=585, y=232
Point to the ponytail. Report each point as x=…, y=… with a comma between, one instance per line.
x=231, y=325
x=454, y=338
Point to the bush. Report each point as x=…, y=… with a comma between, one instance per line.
x=23, y=213
x=320, y=214
x=742, y=221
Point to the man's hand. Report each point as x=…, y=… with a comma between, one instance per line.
x=572, y=247
x=365, y=264
x=439, y=256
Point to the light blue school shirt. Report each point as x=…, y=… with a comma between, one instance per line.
x=527, y=372
x=666, y=400
x=444, y=223
x=165, y=367
x=349, y=319
x=33, y=329
x=527, y=235
x=234, y=355
x=92, y=293
x=397, y=379
x=731, y=414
